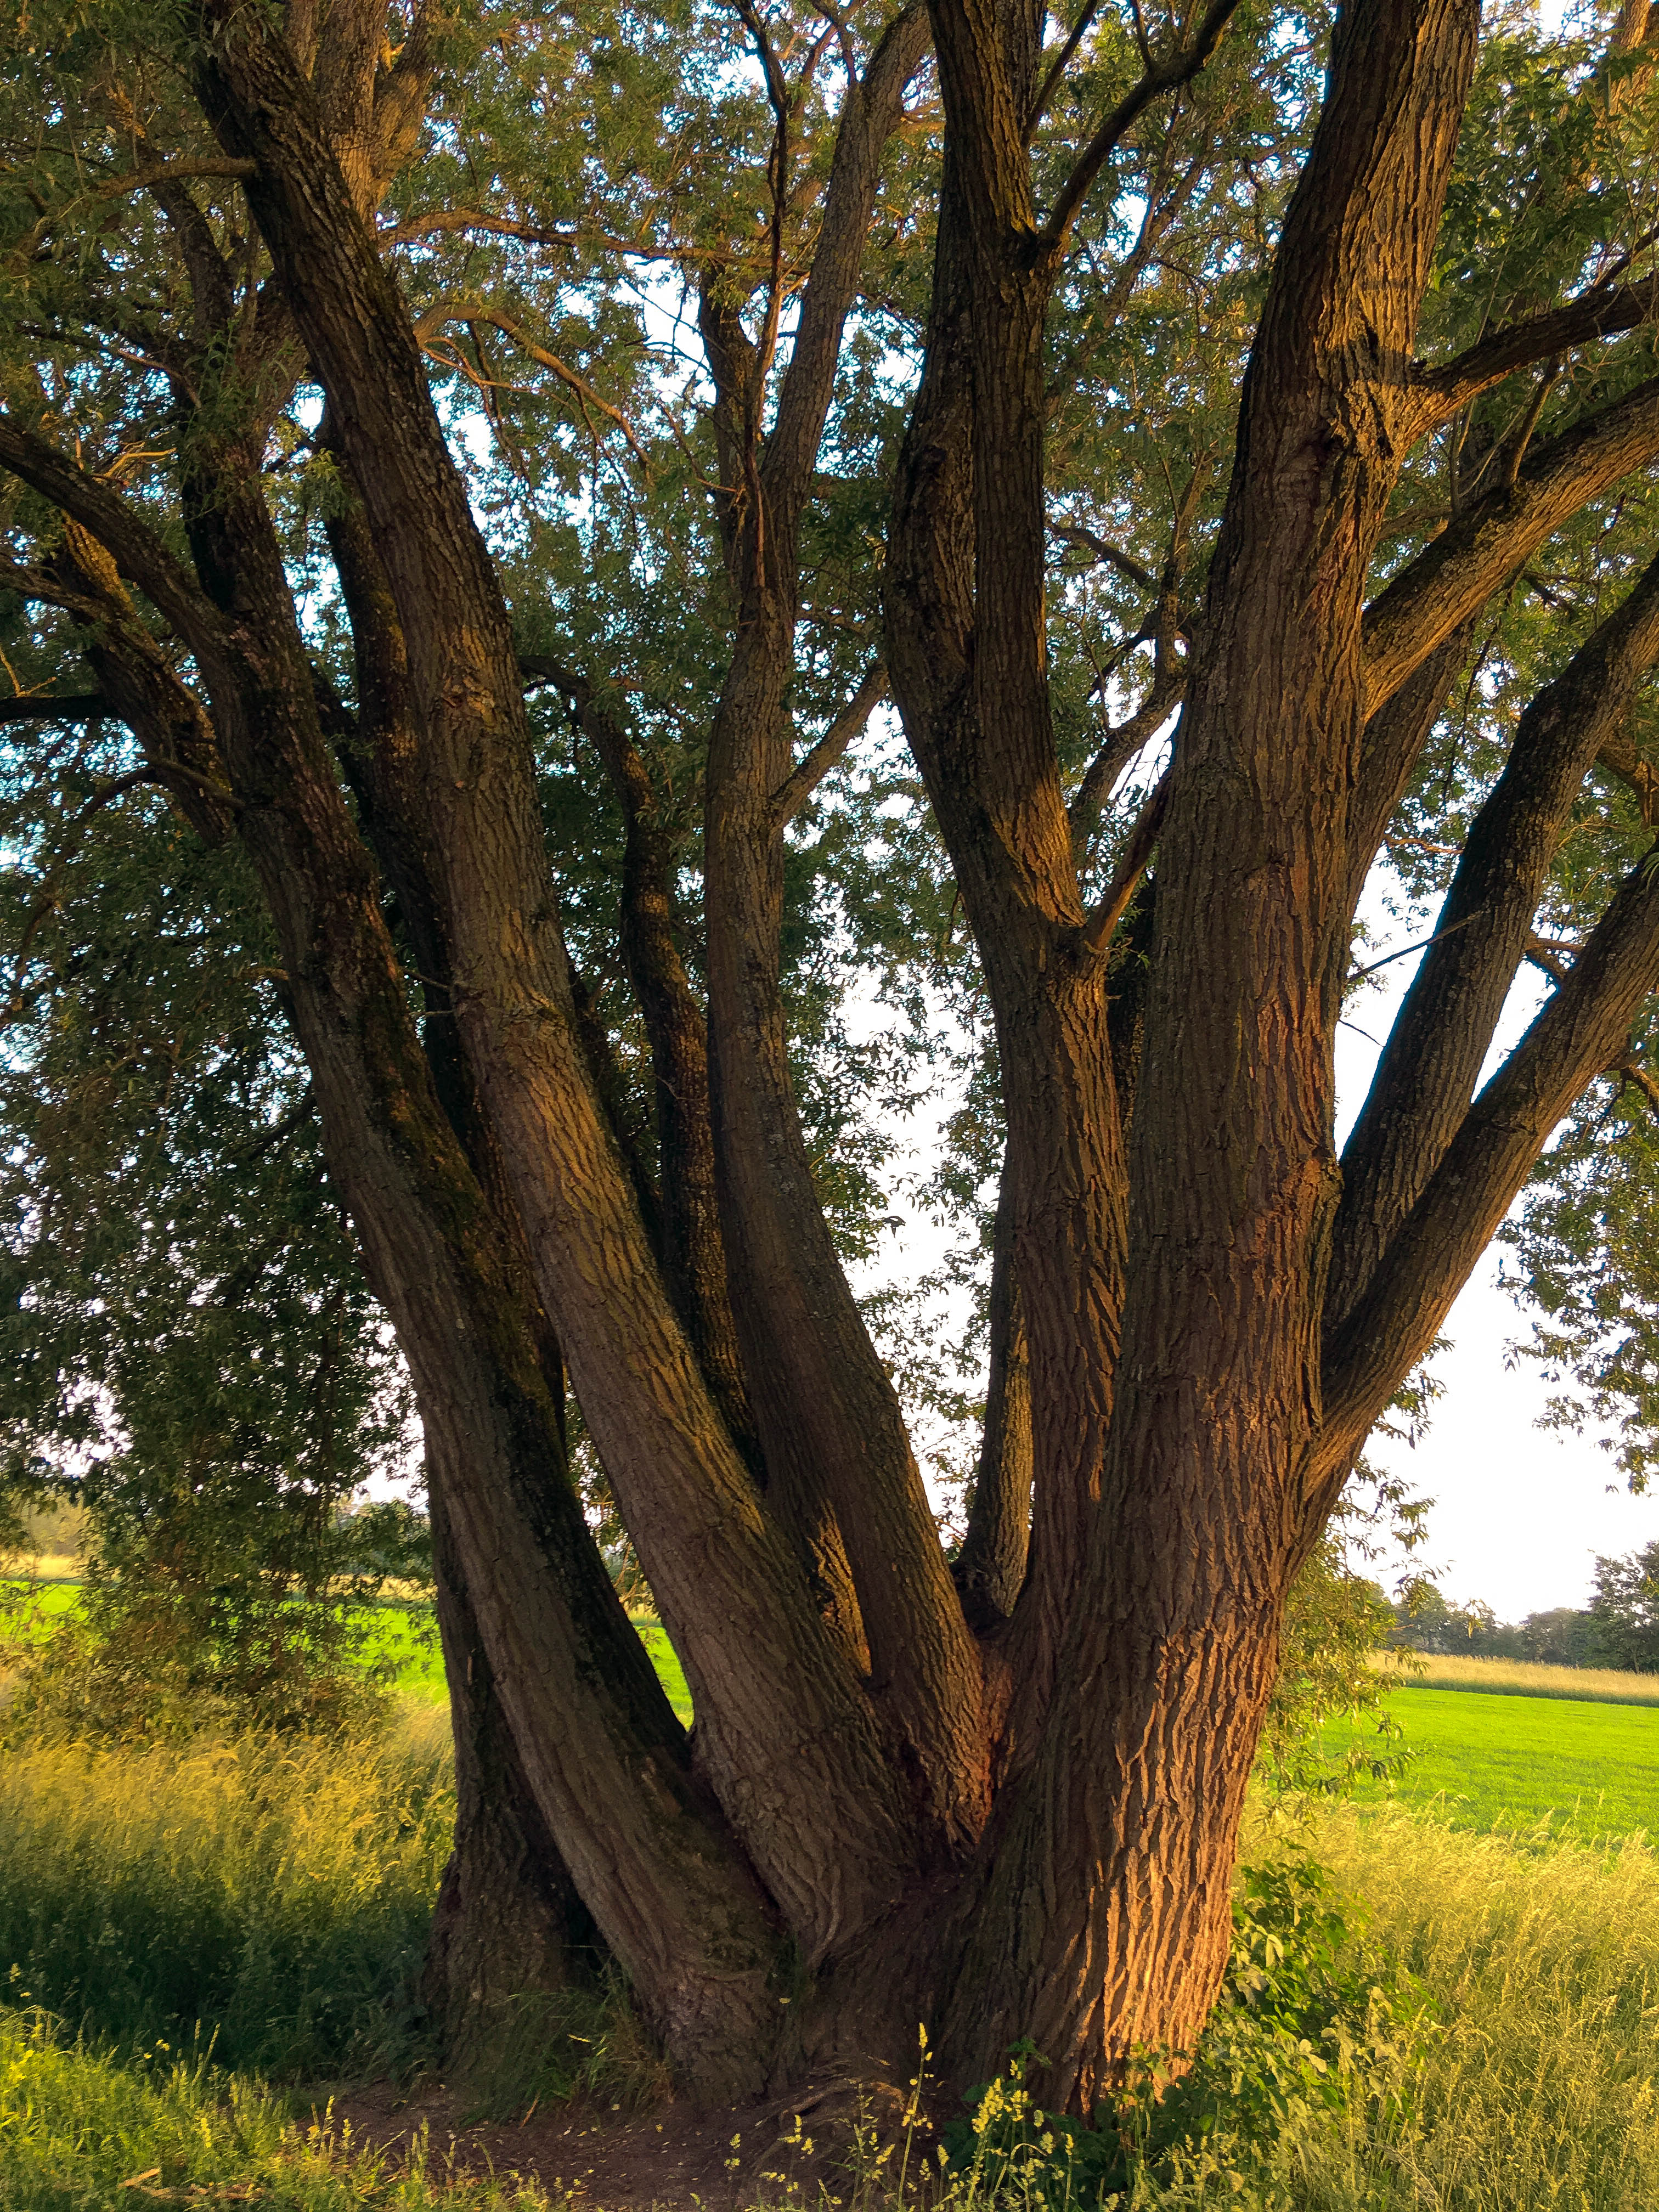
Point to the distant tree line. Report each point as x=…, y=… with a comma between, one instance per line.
x=1619, y=1628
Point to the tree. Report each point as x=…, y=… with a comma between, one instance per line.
x=1351, y=420
x=1624, y=1611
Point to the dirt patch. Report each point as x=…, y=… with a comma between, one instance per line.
x=671, y=2157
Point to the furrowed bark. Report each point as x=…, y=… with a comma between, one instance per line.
x=693, y=1254
x=379, y=750
x=1427, y=1073
x=989, y=1570
x=964, y=618
x=830, y=1419
x=508, y=1920
x=1141, y=1771
x=782, y=1730
x=1395, y=735
x=601, y=1752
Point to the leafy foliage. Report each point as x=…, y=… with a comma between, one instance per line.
x=1314, y=2019
x=1624, y=1611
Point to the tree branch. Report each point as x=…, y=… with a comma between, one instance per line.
x=1160, y=77
x=1098, y=928
x=1454, y=575
x=1078, y=533
x=874, y=106
x=136, y=551
x=1581, y=1031
x=815, y=764
x=1120, y=747
x=477, y=311
x=1050, y=83
x=1599, y=313
x=71, y=707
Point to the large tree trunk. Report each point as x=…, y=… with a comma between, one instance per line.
x=1006, y=1803
x=508, y=1922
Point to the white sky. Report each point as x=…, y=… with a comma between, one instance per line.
x=1520, y=1512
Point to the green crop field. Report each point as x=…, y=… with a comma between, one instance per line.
x=1507, y=1762
x=406, y=1636
x=1503, y=1758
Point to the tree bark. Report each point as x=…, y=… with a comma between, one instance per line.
x=784, y=1729
x=1010, y=1803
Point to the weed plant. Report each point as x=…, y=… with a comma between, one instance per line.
x=275, y=1889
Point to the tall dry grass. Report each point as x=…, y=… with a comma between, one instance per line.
x=1537, y=2088
x=276, y=1889
x=1519, y=1678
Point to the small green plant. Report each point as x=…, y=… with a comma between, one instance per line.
x=1314, y=2021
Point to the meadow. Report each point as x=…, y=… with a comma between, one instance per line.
x=1518, y=1677
x=1485, y=1760
x=195, y=1936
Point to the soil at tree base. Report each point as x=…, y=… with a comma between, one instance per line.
x=668, y=2156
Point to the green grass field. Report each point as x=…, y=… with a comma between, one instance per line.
x=265, y=1899
x=1503, y=1761
x=405, y=1635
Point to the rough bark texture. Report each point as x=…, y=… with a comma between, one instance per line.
x=1005, y=1797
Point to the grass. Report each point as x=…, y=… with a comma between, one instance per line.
x=1520, y=1678
x=1537, y=2088
x=80, y=2132
x=665, y=1659
x=1491, y=1762
x=400, y=1632
x=182, y=1925
x=1531, y=2091
x=276, y=1892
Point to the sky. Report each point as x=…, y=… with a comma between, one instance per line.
x=1520, y=1512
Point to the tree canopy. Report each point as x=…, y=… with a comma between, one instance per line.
x=599, y=598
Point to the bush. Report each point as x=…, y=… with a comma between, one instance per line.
x=1624, y=1611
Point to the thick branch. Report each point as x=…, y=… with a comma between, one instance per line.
x=1441, y=1036
x=1580, y=1032
x=1119, y=750
x=1394, y=737
x=1457, y=571
x=137, y=552
x=693, y=1251
x=1115, y=904
x=1598, y=314
x=990, y=1568
x=71, y=707
x=779, y=1733
x=873, y=107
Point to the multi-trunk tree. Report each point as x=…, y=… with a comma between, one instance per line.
x=1325, y=347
